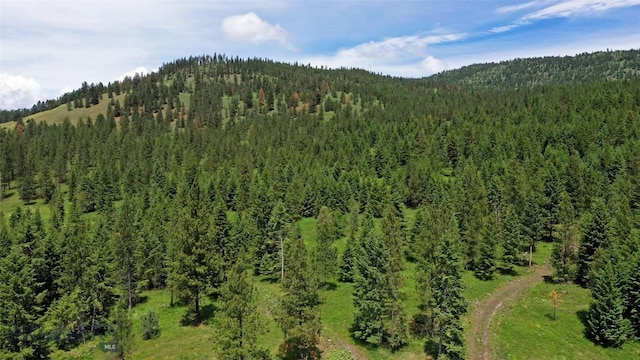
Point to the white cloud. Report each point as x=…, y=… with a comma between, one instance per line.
x=141, y=70
x=431, y=65
x=562, y=9
x=250, y=27
x=392, y=49
x=520, y=7
x=501, y=29
x=399, y=56
x=19, y=91
x=578, y=7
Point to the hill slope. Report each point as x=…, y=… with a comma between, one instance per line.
x=583, y=68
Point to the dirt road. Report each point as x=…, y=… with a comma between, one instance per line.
x=479, y=347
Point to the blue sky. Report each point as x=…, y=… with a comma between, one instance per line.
x=48, y=47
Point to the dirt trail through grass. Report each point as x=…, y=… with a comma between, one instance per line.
x=479, y=346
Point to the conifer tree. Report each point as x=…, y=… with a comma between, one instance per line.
x=393, y=237
x=533, y=223
x=195, y=263
x=370, y=286
x=299, y=314
x=272, y=251
x=239, y=320
x=123, y=243
x=473, y=209
x=220, y=233
x=563, y=256
x=486, y=265
x=633, y=296
x=595, y=237
x=606, y=324
x=347, y=261
x=325, y=256
x=21, y=332
x=122, y=330
x=512, y=240
x=448, y=301
x=27, y=187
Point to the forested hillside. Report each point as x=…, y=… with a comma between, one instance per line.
x=199, y=181
x=552, y=70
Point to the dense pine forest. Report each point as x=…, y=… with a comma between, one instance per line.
x=246, y=194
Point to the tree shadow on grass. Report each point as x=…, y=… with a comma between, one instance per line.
x=206, y=314
x=507, y=271
x=8, y=194
x=548, y=279
x=431, y=348
x=329, y=285
x=270, y=279
x=582, y=315
x=142, y=299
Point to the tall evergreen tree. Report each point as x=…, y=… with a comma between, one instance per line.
x=347, y=261
x=370, y=287
x=511, y=240
x=563, y=257
x=605, y=322
x=595, y=237
x=325, y=256
x=486, y=265
x=21, y=332
x=299, y=317
x=633, y=296
x=448, y=301
x=272, y=249
x=195, y=263
x=239, y=320
x=124, y=243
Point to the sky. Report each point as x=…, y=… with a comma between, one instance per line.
x=49, y=47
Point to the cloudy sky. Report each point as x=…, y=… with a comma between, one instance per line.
x=48, y=47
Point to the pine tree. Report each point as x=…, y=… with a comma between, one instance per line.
x=151, y=248
x=195, y=264
x=533, y=223
x=448, y=301
x=271, y=251
x=21, y=332
x=633, y=296
x=605, y=322
x=595, y=236
x=472, y=210
x=370, y=287
x=221, y=234
x=122, y=330
x=123, y=244
x=27, y=187
x=393, y=238
x=563, y=256
x=299, y=317
x=347, y=261
x=325, y=256
x=486, y=265
x=239, y=320
x=511, y=241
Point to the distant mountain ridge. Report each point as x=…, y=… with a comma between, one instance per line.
x=517, y=73
x=550, y=70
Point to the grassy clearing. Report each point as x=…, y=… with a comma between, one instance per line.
x=12, y=201
x=527, y=329
x=59, y=114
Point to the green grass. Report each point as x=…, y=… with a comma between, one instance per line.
x=59, y=114
x=12, y=201
x=527, y=329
